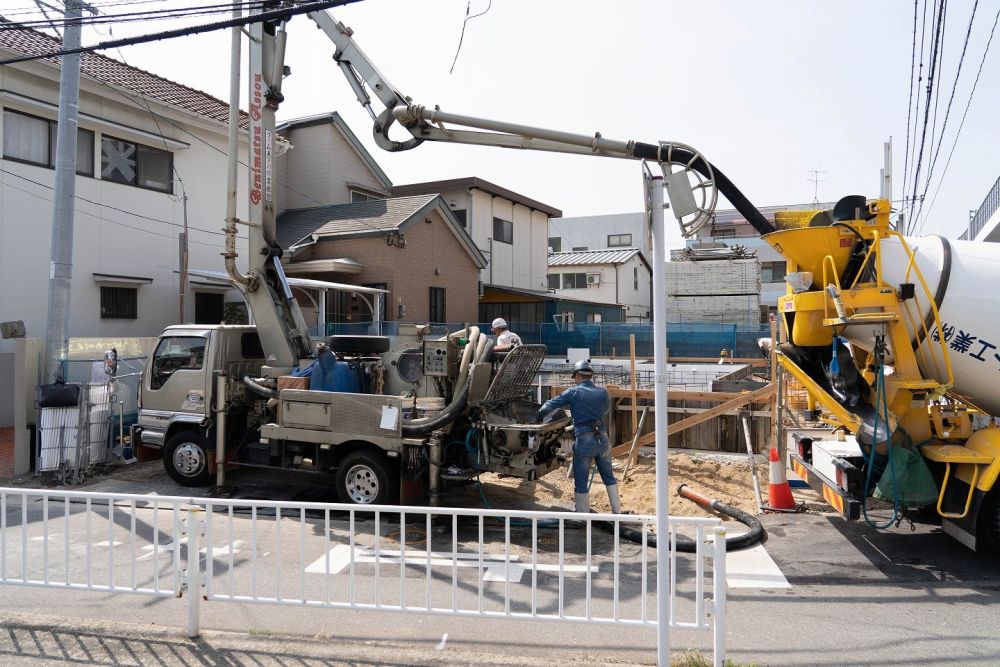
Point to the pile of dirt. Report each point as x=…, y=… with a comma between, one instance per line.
x=725, y=480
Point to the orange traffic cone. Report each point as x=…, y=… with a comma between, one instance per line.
x=779, y=493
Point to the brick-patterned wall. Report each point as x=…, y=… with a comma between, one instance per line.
x=433, y=257
x=6, y=452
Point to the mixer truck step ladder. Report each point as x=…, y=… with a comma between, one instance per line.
x=859, y=318
x=949, y=454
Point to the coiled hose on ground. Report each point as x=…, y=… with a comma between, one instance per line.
x=686, y=544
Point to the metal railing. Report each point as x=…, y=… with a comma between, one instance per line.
x=520, y=565
x=985, y=211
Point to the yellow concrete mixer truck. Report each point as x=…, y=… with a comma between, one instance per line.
x=897, y=341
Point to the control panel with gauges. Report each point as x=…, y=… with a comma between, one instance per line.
x=439, y=358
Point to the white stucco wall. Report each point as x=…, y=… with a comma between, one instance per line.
x=522, y=264
x=319, y=169
x=617, y=286
x=119, y=229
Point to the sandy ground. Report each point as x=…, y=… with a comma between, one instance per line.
x=724, y=478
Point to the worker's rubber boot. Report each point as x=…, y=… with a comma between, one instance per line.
x=614, y=499
x=583, y=503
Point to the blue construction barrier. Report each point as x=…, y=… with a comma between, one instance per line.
x=684, y=339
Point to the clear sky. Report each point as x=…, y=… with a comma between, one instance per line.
x=767, y=91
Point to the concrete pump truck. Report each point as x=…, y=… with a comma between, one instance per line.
x=216, y=396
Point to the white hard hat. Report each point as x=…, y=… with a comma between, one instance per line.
x=499, y=323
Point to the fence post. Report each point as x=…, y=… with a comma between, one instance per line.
x=719, y=598
x=194, y=571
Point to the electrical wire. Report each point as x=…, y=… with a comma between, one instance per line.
x=132, y=17
x=961, y=124
x=947, y=114
x=909, y=97
x=938, y=22
x=280, y=14
x=92, y=215
x=461, y=37
x=912, y=157
x=109, y=206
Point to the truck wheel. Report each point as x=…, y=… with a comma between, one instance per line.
x=367, y=478
x=359, y=344
x=185, y=458
x=990, y=521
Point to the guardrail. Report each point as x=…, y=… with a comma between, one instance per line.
x=520, y=565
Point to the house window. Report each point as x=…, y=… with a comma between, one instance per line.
x=361, y=195
x=209, y=308
x=385, y=298
x=723, y=233
x=554, y=280
x=119, y=303
x=555, y=244
x=460, y=216
x=594, y=318
x=503, y=230
x=33, y=140
x=574, y=280
x=619, y=240
x=635, y=278
x=772, y=272
x=134, y=164
x=580, y=248
x=437, y=305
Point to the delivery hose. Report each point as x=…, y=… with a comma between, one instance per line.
x=259, y=389
x=686, y=544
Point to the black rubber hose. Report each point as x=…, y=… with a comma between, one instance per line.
x=726, y=187
x=427, y=425
x=687, y=545
x=259, y=389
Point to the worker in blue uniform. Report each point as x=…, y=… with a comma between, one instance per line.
x=588, y=405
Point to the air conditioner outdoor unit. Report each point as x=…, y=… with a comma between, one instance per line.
x=593, y=279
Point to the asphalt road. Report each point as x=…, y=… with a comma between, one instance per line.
x=857, y=596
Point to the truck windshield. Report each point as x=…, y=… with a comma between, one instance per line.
x=174, y=354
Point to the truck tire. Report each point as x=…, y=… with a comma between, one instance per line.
x=989, y=521
x=359, y=344
x=367, y=477
x=185, y=458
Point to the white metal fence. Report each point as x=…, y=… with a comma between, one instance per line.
x=535, y=566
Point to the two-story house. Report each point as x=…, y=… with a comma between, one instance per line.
x=511, y=231
x=615, y=277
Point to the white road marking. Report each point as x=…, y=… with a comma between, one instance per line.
x=753, y=568
x=167, y=549
x=494, y=566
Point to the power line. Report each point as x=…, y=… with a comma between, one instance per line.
x=109, y=206
x=909, y=97
x=91, y=215
x=961, y=124
x=938, y=24
x=281, y=14
x=912, y=155
x=131, y=17
x=947, y=113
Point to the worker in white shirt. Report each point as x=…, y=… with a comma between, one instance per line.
x=506, y=339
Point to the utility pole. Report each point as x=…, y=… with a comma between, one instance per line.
x=61, y=249
x=885, y=189
x=185, y=247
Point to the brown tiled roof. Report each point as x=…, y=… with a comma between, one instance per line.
x=26, y=41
